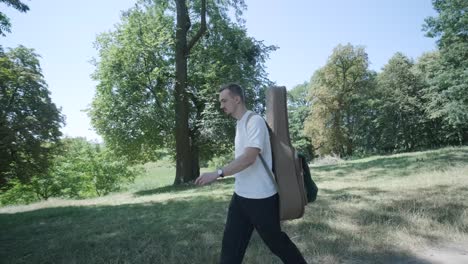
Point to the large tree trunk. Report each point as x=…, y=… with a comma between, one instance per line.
x=195, y=158
x=185, y=156
x=184, y=164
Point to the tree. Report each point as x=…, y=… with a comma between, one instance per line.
x=335, y=89
x=228, y=54
x=29, y=121
x=185, y=170
x=5, y=25
x=401, y=121
x=448, y=90
x=298, y=110
x=438, y=133
x=134, y=106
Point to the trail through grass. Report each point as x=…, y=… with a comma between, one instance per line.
x=383, y=209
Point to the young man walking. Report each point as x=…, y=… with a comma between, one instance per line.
x=254, y=204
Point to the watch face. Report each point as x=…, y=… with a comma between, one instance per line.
x=220, y=172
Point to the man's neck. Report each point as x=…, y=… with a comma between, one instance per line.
x=239, y=114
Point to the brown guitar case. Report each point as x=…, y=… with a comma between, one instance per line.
x=287, y=166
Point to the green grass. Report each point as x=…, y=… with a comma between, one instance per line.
x=157, y=174
x=374, y=210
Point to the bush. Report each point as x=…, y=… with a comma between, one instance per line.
x=88, y=169
x=18, y=193
x=79, y=169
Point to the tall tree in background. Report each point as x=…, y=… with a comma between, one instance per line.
x=437, y=133
x=5, y=25
x=334, y=90
x=298, y=110
x=29, y=121
x=134, y=106
x=228, y=54
x=185, y=170
x=133, y=109
x=448, y=89
x=401, y=121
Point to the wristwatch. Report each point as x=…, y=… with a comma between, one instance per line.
x=220, y=173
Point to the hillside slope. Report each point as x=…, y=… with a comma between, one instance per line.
x=382, y=209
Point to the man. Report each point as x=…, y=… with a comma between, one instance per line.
x=254, y=203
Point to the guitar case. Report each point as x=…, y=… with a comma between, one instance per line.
x=287, y=166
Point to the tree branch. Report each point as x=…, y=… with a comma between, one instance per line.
x=202, y=29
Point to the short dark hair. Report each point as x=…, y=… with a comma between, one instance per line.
x=235, y=89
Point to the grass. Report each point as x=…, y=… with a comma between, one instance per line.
x=157, y=174
x=374, y=210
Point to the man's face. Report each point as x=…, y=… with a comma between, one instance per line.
x=228, y=102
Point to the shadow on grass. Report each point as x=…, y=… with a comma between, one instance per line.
x=179, y=188
x=182, y=231
x=189, y=230
x=363, y=190
x=399, y=166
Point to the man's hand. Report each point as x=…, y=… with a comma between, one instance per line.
x=206, y=178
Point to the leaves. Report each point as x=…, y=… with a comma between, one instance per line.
x=334, y=90
x=401, y=114
x=298, y=110
x=5, y=25
x=447, y=93
x=134, y=105
x=29, y=121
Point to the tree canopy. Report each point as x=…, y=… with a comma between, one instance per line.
x=5, y=25
x=333, y=92
x=134, y=105
x=447, y=93
x=29, y=121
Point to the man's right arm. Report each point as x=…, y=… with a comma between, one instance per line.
x=242, y=162
x=239, y=164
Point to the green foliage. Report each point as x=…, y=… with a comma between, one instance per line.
x=132, y=109
x=408, y=106
x=79, y=169
x=220, y=161
x=298, y=110
x=335, y=90
x=401, y=120
x=447, y=93
x=226, y=55
x=29, y=121
x=5, y=25
x=18, y=193
x=86, y=169
x=384, y=113
x=134, y=104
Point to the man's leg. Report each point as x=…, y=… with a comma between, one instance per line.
x=237, y=233
x=264, y=214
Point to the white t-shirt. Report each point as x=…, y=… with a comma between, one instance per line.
x=254, y=181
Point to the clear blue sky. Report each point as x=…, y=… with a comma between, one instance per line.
x=306, y=31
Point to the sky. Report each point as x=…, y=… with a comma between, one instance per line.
x=306, y=31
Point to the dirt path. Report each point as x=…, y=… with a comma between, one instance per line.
x=456, y=253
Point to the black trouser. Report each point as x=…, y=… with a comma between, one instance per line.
x=262, y=214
